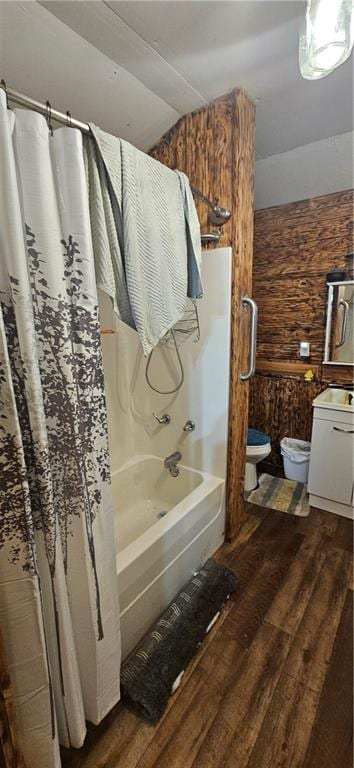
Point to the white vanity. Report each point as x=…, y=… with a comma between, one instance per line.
x=331, y=475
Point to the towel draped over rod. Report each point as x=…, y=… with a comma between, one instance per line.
x=219, y=215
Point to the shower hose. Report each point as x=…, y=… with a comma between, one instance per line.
x=169, y=391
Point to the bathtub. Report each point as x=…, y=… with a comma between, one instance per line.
x=165, y=528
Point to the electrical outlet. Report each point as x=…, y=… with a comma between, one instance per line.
x=304, y=349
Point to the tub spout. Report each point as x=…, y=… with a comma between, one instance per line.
x=171, y=462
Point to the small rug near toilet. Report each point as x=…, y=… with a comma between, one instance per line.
x=277, y=493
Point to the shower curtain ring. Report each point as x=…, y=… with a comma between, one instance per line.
x=3, y=83
x=68, y=118
x=49, y=116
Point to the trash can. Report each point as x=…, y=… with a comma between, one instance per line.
x=296, y=458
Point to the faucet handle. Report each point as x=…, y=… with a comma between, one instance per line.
x=165, y=419
x=189, y=426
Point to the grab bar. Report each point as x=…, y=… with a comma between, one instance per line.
x=248, y=302
x=343, y=303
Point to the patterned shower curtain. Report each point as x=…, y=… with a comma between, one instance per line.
x=58, y=591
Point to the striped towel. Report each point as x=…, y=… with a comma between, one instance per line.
x=146, y=236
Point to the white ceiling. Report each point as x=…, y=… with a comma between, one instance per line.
x=135, y=67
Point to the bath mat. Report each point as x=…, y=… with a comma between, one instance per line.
x=285, y=495
x=155, y=667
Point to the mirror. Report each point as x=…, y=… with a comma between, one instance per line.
x=339, y=344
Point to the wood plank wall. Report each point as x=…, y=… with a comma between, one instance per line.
x=295, y=245
x=214, y=146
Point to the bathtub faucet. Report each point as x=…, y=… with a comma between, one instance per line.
x=165, y=419
x=171, y=462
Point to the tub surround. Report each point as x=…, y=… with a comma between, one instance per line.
x=203, y=398
x=166, y=526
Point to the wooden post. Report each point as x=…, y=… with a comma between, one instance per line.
x=214, y=146
x=242, y=249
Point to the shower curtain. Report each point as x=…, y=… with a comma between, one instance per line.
x=58, y=604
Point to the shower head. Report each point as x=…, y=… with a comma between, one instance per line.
x=219, y=215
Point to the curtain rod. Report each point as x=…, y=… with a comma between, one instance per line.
x=221, y=214
x=45, y=109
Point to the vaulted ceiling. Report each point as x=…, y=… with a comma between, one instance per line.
x=135, y=67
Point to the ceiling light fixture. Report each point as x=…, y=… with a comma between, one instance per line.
x=326, y=37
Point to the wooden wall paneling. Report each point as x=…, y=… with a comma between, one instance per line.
x=281, y=406
x=294, y=236
x=287, y=369
x=295, y=246
x=301, y=308
x=165, y=151
x=276, y=264
x=222, y=122
x=215, y=147
x=280, y=349
x=306, y=237
x=180, y=152
x=197, y=161
x=337, y=373
x=326, y=207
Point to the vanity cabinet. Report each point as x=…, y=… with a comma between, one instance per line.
x=331, y=475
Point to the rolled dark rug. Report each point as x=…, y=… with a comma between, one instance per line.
x=150, y=671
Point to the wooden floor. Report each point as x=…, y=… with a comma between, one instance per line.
x=271, y=686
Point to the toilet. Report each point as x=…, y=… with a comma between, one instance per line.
x=258, y=448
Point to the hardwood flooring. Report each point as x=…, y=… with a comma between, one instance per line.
x=271, y=687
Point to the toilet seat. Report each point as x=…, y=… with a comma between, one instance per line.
x=258, y=450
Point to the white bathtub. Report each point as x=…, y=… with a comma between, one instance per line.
x=157, y=555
